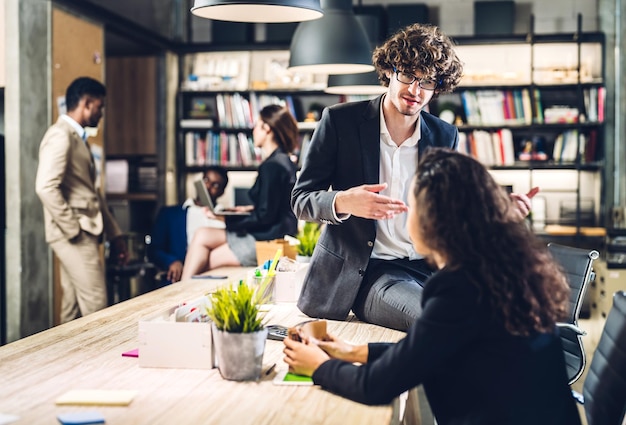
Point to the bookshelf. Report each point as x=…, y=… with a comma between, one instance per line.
x=532, y=109
x=219, y=99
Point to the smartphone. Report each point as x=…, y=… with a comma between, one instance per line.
x=277, y=332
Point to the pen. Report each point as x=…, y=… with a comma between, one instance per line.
x=270, y=369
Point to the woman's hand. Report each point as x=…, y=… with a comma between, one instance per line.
x=342, y=350
x=303, y=358
x=209, y=214
x=243, y=208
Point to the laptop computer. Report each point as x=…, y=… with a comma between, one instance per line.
x=205, y=200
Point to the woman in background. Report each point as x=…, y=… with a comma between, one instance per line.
x=486, y=347
x=271, y=217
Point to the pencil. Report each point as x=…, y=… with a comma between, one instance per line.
x=270, y=369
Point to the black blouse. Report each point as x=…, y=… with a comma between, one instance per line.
x=472, y=369
x=272, y=217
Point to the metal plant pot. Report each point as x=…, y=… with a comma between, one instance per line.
x=239, y=355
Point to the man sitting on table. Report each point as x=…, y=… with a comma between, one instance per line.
x=176, y=225
x=366, y=153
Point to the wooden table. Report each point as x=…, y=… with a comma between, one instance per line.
x=86, y=354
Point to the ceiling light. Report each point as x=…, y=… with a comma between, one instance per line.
x=365, y=83
x=333, y=44
x=267, y=11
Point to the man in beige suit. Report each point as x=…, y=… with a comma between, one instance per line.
x=75, y=213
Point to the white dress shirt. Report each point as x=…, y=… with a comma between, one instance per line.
x=397, y=168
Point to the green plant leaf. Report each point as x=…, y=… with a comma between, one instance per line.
x=236, y=308
x=308, y=237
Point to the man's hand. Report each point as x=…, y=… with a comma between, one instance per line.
x=522, y=204
x=364, y=201
x=175, y=271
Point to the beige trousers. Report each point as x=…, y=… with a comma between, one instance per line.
x=82, y=276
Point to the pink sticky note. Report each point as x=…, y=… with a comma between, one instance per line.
x=131, y=353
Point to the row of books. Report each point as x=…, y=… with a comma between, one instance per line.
x=497, y=148
x=220, y=148
x=497, y=107
x=519, y=107
x=572, y=145
x=236, y=111
x=490, y=148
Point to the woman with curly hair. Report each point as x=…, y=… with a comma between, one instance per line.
x=486, y=347
x=356, y=177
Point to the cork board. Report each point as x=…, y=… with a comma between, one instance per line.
x=2, y=44
x=77, y=51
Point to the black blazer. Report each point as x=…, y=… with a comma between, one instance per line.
x=345, y=152
x=472, y=369
x=272, y=216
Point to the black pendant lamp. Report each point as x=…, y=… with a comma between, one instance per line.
x=334, y=44
x=364, y=83
x=268, y=11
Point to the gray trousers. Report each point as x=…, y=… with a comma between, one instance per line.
x=82, y=276
x=391, y=292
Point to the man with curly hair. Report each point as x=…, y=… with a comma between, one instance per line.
x=356, y=177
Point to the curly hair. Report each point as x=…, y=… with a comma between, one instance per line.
x=421, y=49
x=465, y=216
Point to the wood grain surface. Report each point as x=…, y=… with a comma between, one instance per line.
x=87, y=354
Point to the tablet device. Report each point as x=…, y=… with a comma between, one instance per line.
x=205, y=200
x=284, y=377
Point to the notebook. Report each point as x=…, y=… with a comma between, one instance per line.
x=205, y=200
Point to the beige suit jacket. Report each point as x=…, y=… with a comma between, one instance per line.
x=65, y=184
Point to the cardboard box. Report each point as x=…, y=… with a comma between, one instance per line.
x=288, y=285
x=164, y=342
x=266, y=250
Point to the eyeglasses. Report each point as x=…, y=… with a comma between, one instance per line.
x=212, y=184
x=406, y=78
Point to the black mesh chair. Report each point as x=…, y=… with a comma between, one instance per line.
x=604, y=389
x=576, y=263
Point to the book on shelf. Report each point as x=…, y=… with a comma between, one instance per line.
x=593, y=100
x=196, y=123
x=497, y=107
x=572, y=145
x=561, y=114
x=538, y=117
x=227, y=149
x=601, y=103
x=493, y=148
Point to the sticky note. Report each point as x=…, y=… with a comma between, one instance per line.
x=81, y=418
x=97, y=397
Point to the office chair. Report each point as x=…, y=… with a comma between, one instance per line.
x=604, y=389
x=576, y=264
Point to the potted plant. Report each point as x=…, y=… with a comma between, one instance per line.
x=238, y=330
x=307, y=237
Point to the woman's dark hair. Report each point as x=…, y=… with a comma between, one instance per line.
x=467, y=217
x=421, y=49
x=283, y=125
x=83, y=86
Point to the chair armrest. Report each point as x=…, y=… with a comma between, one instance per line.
x=572, y=328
